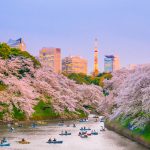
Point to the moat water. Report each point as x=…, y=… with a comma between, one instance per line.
x=38, y=137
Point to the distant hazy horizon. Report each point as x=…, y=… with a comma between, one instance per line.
x=121, y=26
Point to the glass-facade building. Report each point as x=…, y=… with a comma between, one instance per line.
x=19, y=43
x=108, y=63
x=111, y=63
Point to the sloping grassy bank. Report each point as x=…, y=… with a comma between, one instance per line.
x=139, y=137
x=44, y=111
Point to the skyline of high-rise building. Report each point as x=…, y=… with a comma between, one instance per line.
x=74, y=64
x=116, y=63
x=51, y=57
x=19, y=43
x=111, y=63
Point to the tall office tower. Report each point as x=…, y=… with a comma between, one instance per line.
x=19, y=43
x=96, y=70
x=74, y=64
x=111, y=63
x=116, y=63
x=51, y=57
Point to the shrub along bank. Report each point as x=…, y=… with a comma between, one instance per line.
x=137, y=135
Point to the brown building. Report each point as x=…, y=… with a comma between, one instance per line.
x=51, y=57
x=74, y=64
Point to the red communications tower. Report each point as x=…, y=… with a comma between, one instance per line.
x=96, y=71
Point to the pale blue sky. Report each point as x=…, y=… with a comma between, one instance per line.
x=122, y=27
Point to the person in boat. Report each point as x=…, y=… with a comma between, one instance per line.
x=49, y=140
x=23, y=140
x=4, y=139
x=20, y=125
x=11, y=128
x=65, y=132
x=54, y=140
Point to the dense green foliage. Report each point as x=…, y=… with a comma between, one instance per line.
x=6, y=52
x=24, y=70
x=18, y=114
x=87, y=79
x=125, y=122
x=141, y=136
x=5, y=106
x=146, y=132
x=1, y=115
x=44, y=110
x=81, y=113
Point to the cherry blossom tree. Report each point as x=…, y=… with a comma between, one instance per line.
x=26, y=84
x=130, y=94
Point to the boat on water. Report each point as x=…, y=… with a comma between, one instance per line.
x=83, y=120
x=33, y=125
x=94, y=133
x=82, y=133
x=11, y=129
x=54, y=142
x=20, y=125
x=85, y=129
x=84, y=136
x=23, y=142
x=4, y=142
x=96, y=116
x=74, y=125
x=42, y=122
x=65, y=133
x=102, y=129
x=88, y=134
x=60, y=124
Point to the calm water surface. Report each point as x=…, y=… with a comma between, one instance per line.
x=107, y=140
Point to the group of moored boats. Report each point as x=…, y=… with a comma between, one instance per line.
x=84, y=132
